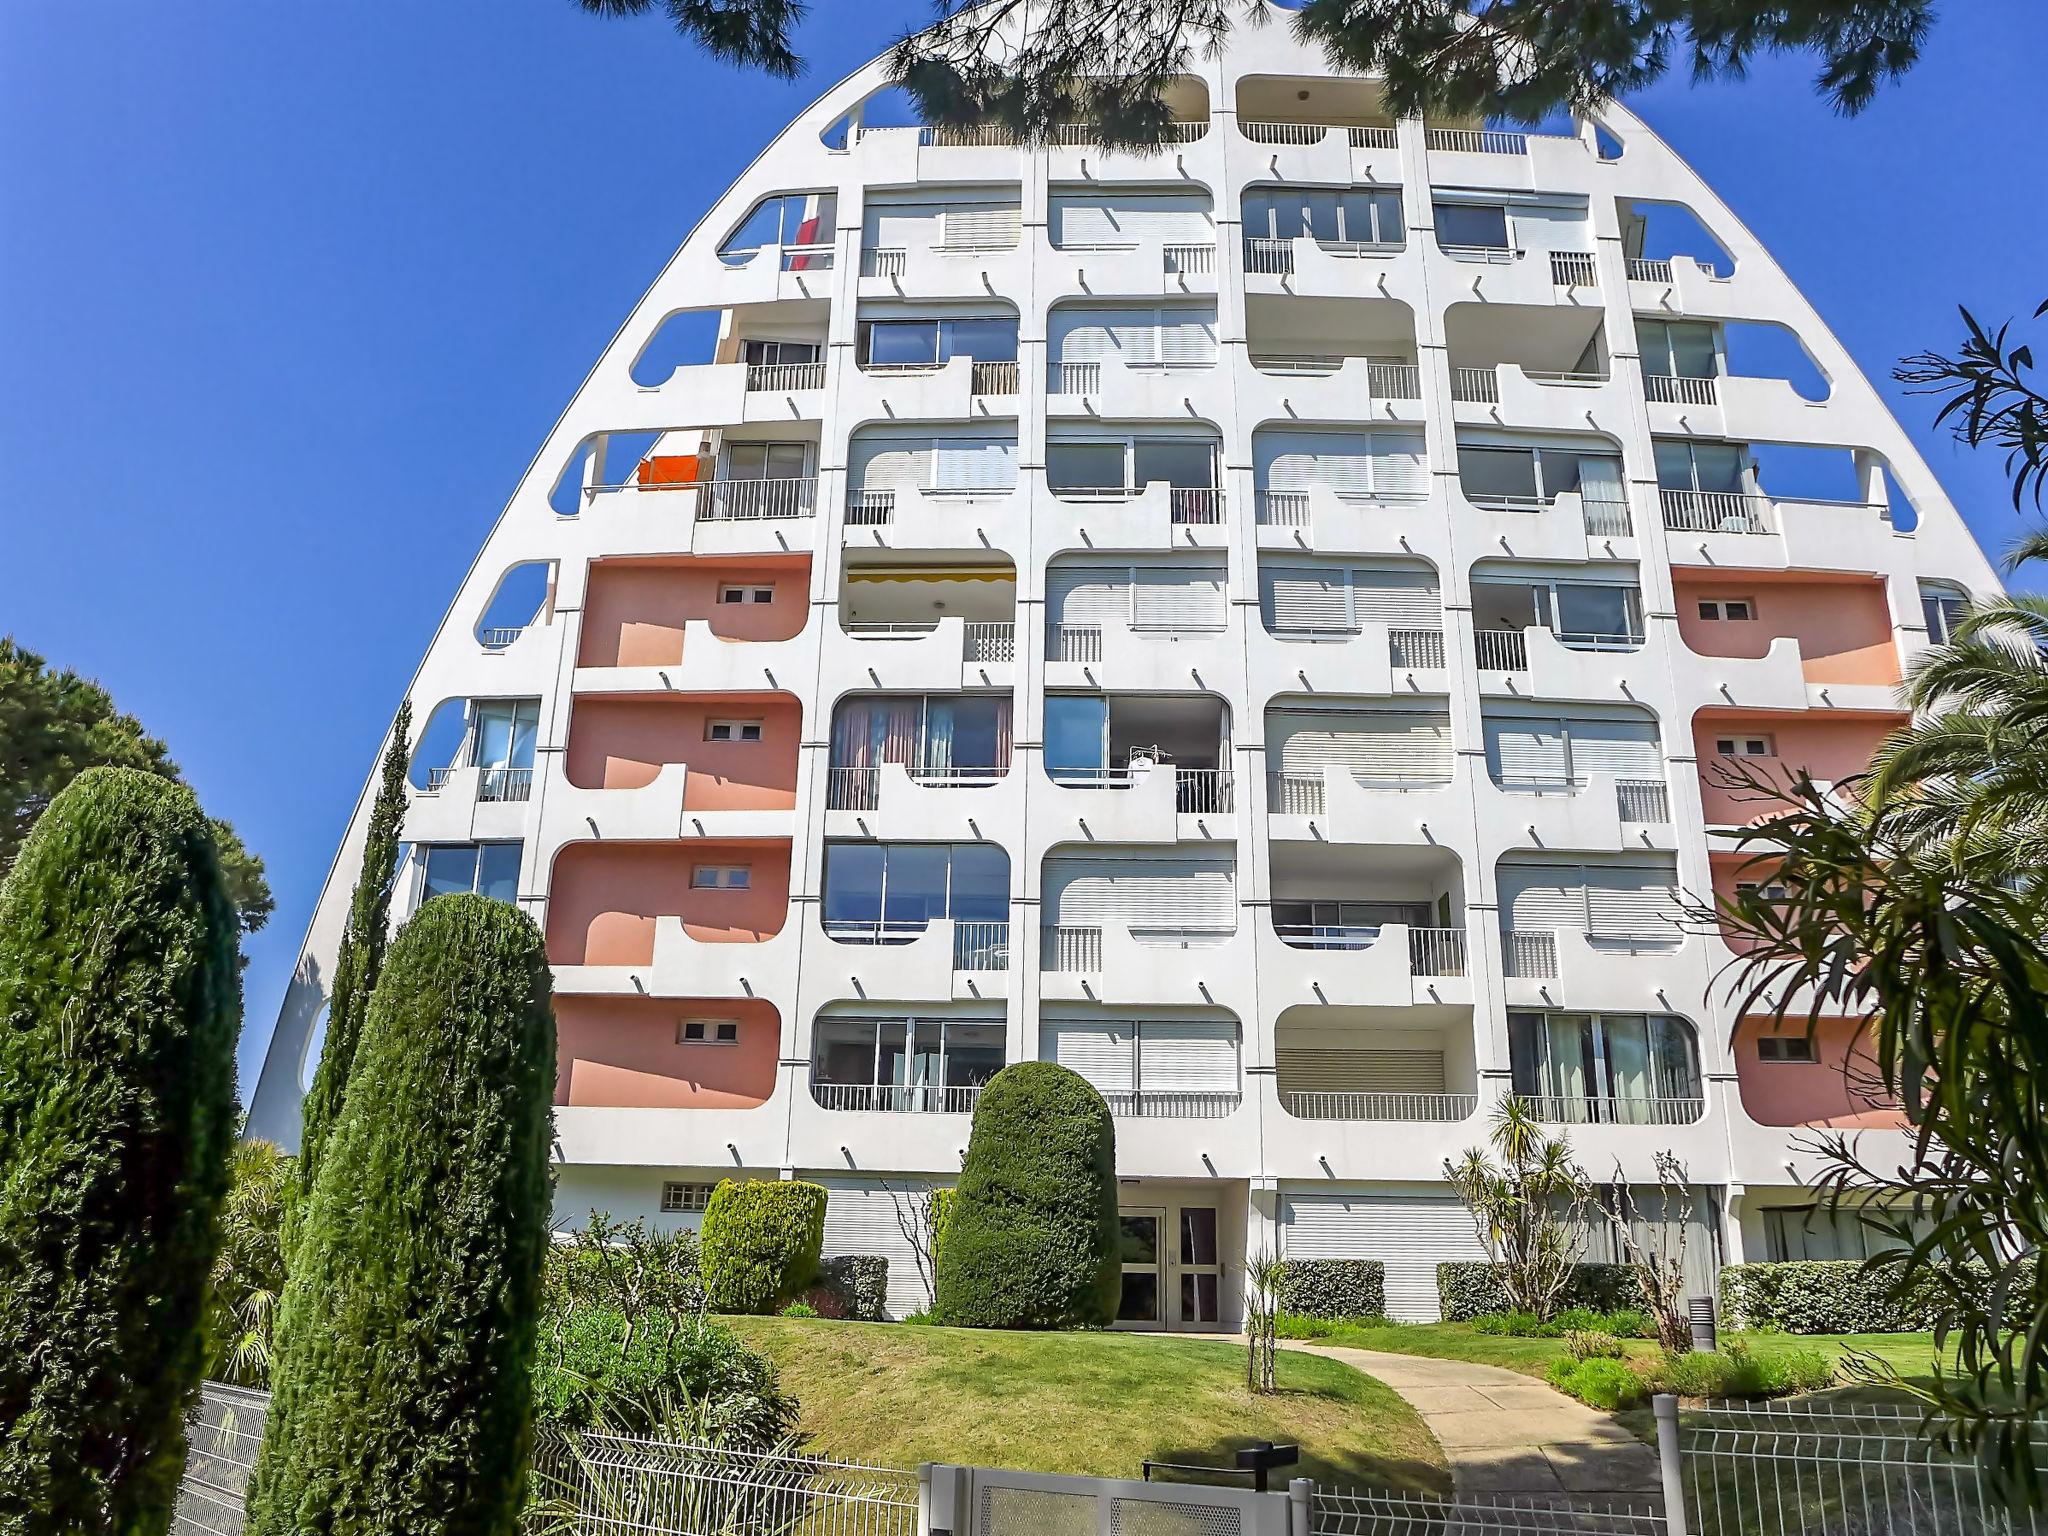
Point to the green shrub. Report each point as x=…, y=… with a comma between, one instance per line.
x=1599, y=1382
x=858, y=1284
x=800, y=1308
x=1628, y=1323
x=1468, y=1288
x=1707, y=1373
x=596, y=1373
x=403, y=1385
x=760, y=1242
x=1825, y=1297
x=1292, y=1325
x=1031, y=1241
x=120, y=999
x=1573, y=1320
x=1333, y=1287
x=941, y=1220
x=249, y=1270
x=627, y=1267
x=1591, y=1344
x=1799, y=1370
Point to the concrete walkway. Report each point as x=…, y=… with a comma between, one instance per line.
x=1507, y=1433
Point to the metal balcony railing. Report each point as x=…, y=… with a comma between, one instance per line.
x=1073, y=642
x=1687, y=511
x=1294, y=794
x=1643, y=271
x=505, y=784
x=909, y=631
x=877, y=930
x=1498, y=255
x=1202, y=791
x=1432, y=1108
x=1283, y=509
x=1282, y=133
x=1067, y=949
x=1195, y=506
x=993, y=378
x=1394, y=381
x=437, y=779
x=1500, y=650
x=1606, y=517
x=1643, y=802
x=1188, y=260
x=1677, y=389
x=870, y=509
x=1530, y=953
x=988, y=640
x=897, y=1098
x=785, y=376
x=1436, y=951
x=1415, y=648
x=1344, y=937
x=980, y=136
x=981, y=946
x=807, y=258
x=884, y=261
x=1563, y=1109
x=1476, y=386
x=1477, y=141
x=1172, y=1104
x=1077, y=378
x=1373, y=136
x=853, y=789
x=1574, y=269
x=751, y=500
x=495, y=637
x=1263, y=254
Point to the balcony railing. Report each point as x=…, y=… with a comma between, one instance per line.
x=909, y=631
x=979, y=136
x=1498, y=255
x=1274, y=258
x=1189, y=260
x=1282, y=133
x=1500, y=650
x=1677, y=389
x=1394, y=381
x=1283, y=509
x=870, y=508
x=884, y=261
x=1643, y=802
x=989, y=640
x=1073, y=642
x=897, y=1098
x=505, y=784
x=1530, y=953
x=495, y=637
x=1436, y=951
x=1077, y=378
x=1478, y=141
x=751, y=500
x=877, y=930
x=1687, y=511
x=1476, y=386
x=1644, y=271
x=1606, y=517
x=1344, y=937
x=1574, y=269
x=1375, y=136
x=1066, y=948
x=993, y=378
x=1560, y=1109
x=807, y=258
x=981, y=946
x=1203, y=791
x=860, y=789
x=785, y=376
x=1433, y=1108
x=1085, y=135
x=1172, y=1104
x=1415, y=648
x=1195, y=506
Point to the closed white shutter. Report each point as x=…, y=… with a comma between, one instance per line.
x=1181, y=596
x=1399, y=745
x=1525, y=748
x=1187, y=337
x=1339, y=462
x=1396, y=598
x=900, y=224
x=1086, y=334
x=1542, y=896
x=1187, y=1055
x=974, y=464
x=1336, y=1069
x=1632, y=902
x=1400, y=467
x=1104, y=1051
x=1614, y=744
x=1142, y=894
x=1305, y=599
x=877, y=462
x=1118, y=219
x=1410, y=1234
x=865, y=1216
x=981, y=226
x=1087, y=594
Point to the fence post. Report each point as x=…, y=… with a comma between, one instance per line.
x=1301, y=1499
x=1670, y=1462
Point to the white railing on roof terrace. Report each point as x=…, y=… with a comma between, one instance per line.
x=1645, y=271
x=1282, y=133
x=1574, y=269
x=1478, y=141
x=1475, y=386
x=1269, y=256
x=993, y=378
x=748, y=500
x=1375, y=136
x=884, y=261
x=785, y=376
x=1677, y=389
x=989, y=640
x=1500, y=650
x=1434, y=1108
x=980, y=136
x=1188, y=259
x=1687, y=511
x=1197, y=506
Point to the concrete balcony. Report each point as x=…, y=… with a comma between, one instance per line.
x=707, y=394
x=1319, y=521
x=939, y=657
x=938, y=392
x=1568, y=968
x=1681, y=286
x=1110, y=390
x=906, y=518
x=1360, y=662
x=1141, y=269
x=1562, y=527
x=887, y=804
x=1741, y=407
x=1142, y=806
x=737, y=1139
x=711, y=664
x=1316, y=269
x=1509, y=395
x=1512, y=274
x=773, y=272
x=1130, y=660
x=1107, y=964
x=1331, y=388
x=1534, y=663
x=683, y=966
x=1749, y=531
x=943, y=272
x=1153, y=516
x=941, y=959
x=1321, y=153
x=1336, y=806
x=469, y=804
x=1594, y=813
x=1391, y=965
x=652, y=813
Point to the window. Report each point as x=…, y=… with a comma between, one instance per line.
x=1744, y=746
x=1683, y=465
x=1942, y=607
x=1732, y=609
x=1682, y=349
x=1583, y=615
x=888, y=893
x=1623, y=1068
x=927, y=342
x=1479, y=226
x=1357, y=216
x=1787, y=1048
x=790, y=218
x=1125, y=466
x=483, y=869
x=708, y=1032
x=734, y=594
x=937, y=739
x=685, y=1199
x=1763, y=890
x=1510, y=477
x=732, y=730
x=766, y=354
x=766, y=461
x=721, y=877
x=904, y=1063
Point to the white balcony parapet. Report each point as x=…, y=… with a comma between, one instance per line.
x=1431, y=1108
x=1677, y=389
x=759, y=500
x=1478, y=141
x=1687, y=511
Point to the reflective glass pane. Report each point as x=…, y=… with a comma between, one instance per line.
x=1139, y=1301
x=981, y=883
x=1199, y=1298
x=450, y=871
x=1465, y=224
x=1591, y=610
x=1487, y=473
x=1139, y=1240
x=894, y=343
x=1076, y=735
x=853, y=883
x=989, y=339
x=1177, y=461
x=1198, y=1235
x=1084, y=466
x=497, y=874
x=915, y=891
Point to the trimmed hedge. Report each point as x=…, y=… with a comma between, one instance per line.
x=758, y=1248
x=859, y=1282
x=1468, y=1288
x=1333, y=1288
x=1819, y=1296
x=120, y=1000
x=1031, y=1239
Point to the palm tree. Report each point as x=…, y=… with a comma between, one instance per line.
x=248, y=1272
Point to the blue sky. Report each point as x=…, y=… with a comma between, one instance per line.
x=290, y=293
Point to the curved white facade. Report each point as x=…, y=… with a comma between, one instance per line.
x=1380, y=722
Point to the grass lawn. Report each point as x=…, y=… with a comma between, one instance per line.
x=1082, y=1402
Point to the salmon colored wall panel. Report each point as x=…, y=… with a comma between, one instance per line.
x=622, y=1053
x=1837, y=1089
x=622, y=743
x=634, y=611
x=1827, y=749
x=1844, y=629
x=605, y=898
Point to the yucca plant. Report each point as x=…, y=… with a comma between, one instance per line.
x=1527, y=1207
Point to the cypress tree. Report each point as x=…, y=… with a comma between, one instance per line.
x=402, y=1383
x=357, y=963
x=120, y=1001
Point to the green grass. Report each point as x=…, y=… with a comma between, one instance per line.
x=1082, y=1402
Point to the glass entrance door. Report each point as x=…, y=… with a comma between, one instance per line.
x=1140, y=1245
x=1198, y=1269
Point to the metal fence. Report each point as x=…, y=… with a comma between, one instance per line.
x=1362, y=1512
x=221, y=1436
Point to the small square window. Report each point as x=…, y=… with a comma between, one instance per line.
x=721, y=877
x=708, y=1032
x=1744, y=746
x=1766, y=890
x=1736, y=609
x=1784, y=1048
x=683, y=1199
x=732, y=730
x=745, y=594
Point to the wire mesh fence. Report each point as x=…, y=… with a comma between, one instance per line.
x=221, y=1440
x=1360, y=1512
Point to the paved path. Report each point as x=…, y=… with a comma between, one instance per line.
x=1507, y=1433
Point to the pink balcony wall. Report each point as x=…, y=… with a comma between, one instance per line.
x=634, y=610
x=622, y=1053
x=1844, y=628
x=622, y=743
x=1829, y=747
x=1839, y=1088
x=606, y=896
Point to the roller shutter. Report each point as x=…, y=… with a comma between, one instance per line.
x=1088, y=594
x=1104, y=1051
x=1187, y=1056
x=867, y=1216
x=1303, y=599
x=1632, y=902
x=1339, y=462
x=1400, y=466
x=1112, y=220
x=1397, y=599
x=1542, y=896
x=1182, y=596
x=1410, y=1234
x=1617, y=745
x=1523, y=749
x=974, y=464
x=1402, y=745
x=876, y=462
x=900, y=225
x=1146, y=895
x=1335, y=1069
x=980, y=226
x=1182, y=336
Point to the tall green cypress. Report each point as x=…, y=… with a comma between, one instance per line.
x=357, y=964
x=402, y=1382
x=120, y=1002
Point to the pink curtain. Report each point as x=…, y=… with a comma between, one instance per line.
x=900, y=739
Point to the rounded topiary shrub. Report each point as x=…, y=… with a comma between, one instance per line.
x=120, y=1000
x=760, y=1243
x=1031, y=1239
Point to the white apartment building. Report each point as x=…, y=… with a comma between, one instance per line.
x=1254, y=622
